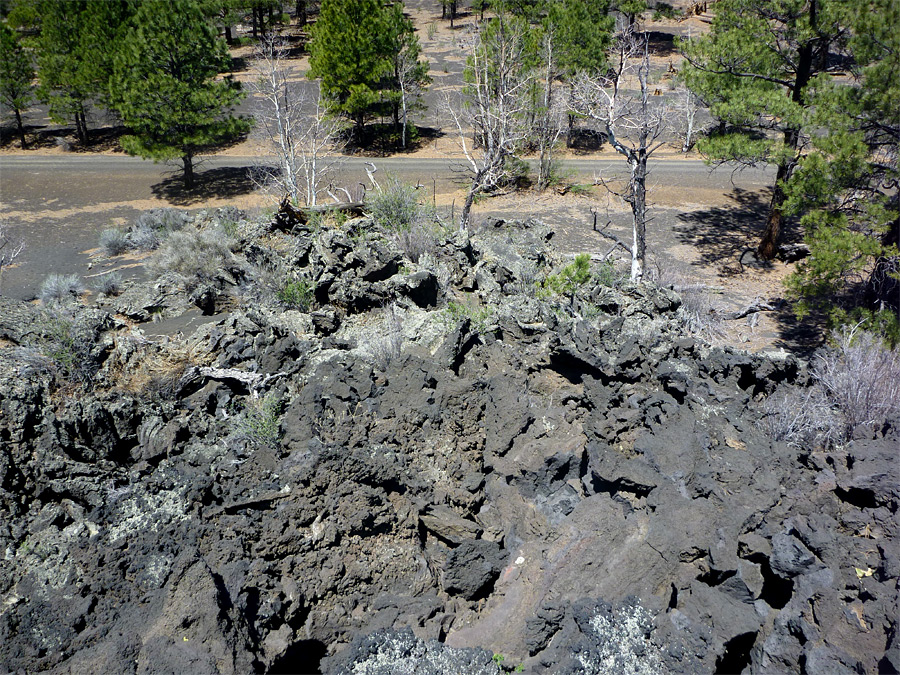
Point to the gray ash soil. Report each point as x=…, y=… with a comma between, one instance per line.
x=431, y=469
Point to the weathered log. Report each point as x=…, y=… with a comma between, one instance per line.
x=289, y=216
x=756, y=306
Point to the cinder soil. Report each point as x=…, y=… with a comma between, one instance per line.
x=697, y=236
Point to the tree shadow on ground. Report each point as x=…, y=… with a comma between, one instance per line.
x=799, y=336
x=383, y=140
x=662, y=44
x=220, y=183
x=584, y=140
x=722, y=233
x=100, y=139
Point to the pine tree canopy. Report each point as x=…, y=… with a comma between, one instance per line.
x=166, y=86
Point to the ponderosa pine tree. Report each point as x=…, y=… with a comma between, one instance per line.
x=630, y=10
x=166, y=89
x=65, y=84
x=753, y=70
x=349, y=53
x=16, y=76
x=356, y=50
x=75, y=49
x=846, y=188
x=584, y=34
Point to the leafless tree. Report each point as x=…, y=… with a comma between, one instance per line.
x=494, y=106
x=294, y=125
x=10, y=249
x=633, y=121
x=688, y=107
x=409, y=73
x=689, y=104
x=549, y=122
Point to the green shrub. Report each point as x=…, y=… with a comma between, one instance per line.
x=608, y=275
x=478, y=316
x=68, y=342
x=296, y=294
x=260, y=421
x=515, y=172
x=569, y=278
x=395, y=206
x=559, y=173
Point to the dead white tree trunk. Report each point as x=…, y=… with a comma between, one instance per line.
x=549, y=122
x=412, y=76
x=10, y=249
x=294, y=127
x=689, y=108
x=633, y=124
x=493, y=108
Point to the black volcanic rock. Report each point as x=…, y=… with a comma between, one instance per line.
x=571, y=484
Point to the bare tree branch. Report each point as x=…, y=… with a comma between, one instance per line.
x=494, y=106
x=295, y=127
x=632, y=122
x=10, y=249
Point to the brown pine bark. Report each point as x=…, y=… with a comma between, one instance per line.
x=21, y=129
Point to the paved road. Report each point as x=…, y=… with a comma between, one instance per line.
x=59, y=203
x=13, y=166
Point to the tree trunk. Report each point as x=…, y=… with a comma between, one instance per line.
x=21, y=129
x=467, y=207
x=883, y=287
x=188, y=162
x=301, y=12
x=548, y=134
x=405, y=113
x=690, y=113
x=81, y=129
x=359, y=127
x=768, y=246
x=639, y=214
x=229, y=36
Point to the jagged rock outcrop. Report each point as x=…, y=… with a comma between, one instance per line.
x=572, y=483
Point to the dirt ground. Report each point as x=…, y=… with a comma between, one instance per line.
x=699, y=230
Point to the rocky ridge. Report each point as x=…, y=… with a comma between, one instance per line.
x=426, y=465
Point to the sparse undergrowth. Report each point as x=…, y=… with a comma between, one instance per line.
x=146, y=233
x=59, y=288
x=195, y=256
x=260, y=421
x=856, y=386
